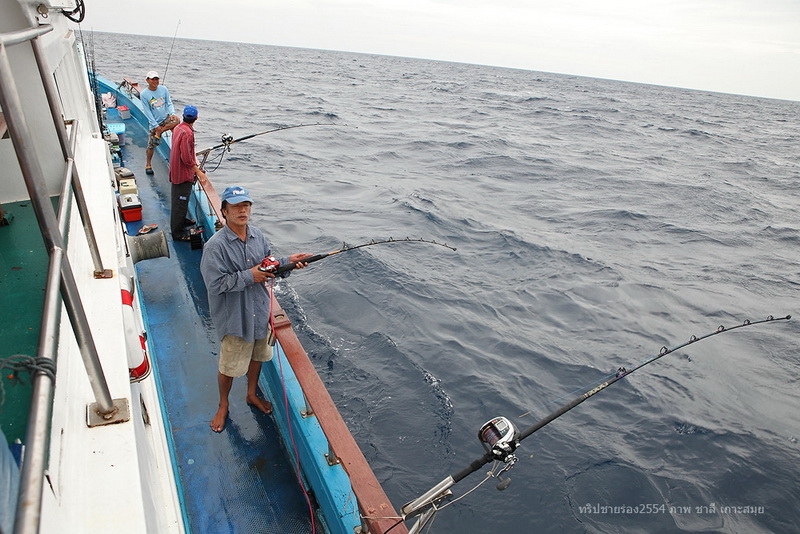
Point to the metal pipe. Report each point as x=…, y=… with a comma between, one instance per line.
x=422, y=521
x=64, y=200
x=48, y=225
x=29, y=502
x=432, y=495
x=68, y=149
x=20, y=36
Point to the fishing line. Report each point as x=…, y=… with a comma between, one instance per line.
x=392, y=527
x=271, y=265
x=489, y=474
x=218, y=160
x=286, y=405
x=164, y=78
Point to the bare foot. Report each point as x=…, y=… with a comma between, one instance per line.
x=263, y=405
x=218, y=423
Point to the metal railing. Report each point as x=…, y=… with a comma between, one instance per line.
x=68, y=149
x=60, y=278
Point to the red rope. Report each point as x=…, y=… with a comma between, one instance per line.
x=288, y=415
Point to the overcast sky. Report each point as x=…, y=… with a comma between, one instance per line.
x=730, y=46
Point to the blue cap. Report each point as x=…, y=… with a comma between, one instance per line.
x=235, y=194
x=190, y=112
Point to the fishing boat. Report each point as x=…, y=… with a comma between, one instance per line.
x=108, y=353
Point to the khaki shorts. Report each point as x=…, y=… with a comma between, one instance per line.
x=235, y=354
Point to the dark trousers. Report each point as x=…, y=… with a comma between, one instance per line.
x=180, y=207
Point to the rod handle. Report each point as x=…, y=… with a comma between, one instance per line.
x=292, y=264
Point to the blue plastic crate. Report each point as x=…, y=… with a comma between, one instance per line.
x=116, y=127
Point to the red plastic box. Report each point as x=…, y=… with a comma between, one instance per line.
x=130, y=207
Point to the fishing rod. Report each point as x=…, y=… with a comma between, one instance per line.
x=169, y=56
x=271, y=265
x=500, y=438
x=228, y=140
x=98, y=105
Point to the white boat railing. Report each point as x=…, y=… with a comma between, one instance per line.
x=60, y=278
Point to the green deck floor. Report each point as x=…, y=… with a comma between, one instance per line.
x=23, y=274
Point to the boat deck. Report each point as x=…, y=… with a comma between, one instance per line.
x=240, y=480
x=23, y=276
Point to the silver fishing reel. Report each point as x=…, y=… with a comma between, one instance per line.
x=500, y=437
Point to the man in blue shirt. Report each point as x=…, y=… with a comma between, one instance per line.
x=160, y=114
x=239, y=300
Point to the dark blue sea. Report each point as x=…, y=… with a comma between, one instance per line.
x=596, y=222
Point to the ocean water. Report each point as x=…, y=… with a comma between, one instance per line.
x=595, y=222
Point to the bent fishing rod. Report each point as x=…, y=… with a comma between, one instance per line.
x=271, y=264
x=500, y=438
x=228, y=140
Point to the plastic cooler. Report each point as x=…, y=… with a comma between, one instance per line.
x=117, y=128
x=130, y=207
x=127, y=186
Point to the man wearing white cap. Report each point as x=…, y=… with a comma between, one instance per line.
x=160, y=114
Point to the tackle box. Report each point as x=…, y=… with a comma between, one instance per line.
x=123, y=173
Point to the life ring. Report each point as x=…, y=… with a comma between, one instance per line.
x=138, y=359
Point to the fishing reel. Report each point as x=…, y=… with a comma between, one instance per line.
x=227, y=139
x=269, y=264
x=500, y=438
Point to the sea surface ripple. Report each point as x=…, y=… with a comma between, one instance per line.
x=595, y=221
